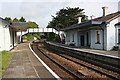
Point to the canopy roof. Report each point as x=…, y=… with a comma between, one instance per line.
x=19, y=26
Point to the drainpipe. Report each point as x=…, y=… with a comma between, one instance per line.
x=103, y=32
x=13, y=39
x=21, y=37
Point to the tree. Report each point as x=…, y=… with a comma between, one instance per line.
x=32, y=24
x=66, y=17
x=15, y=20
x=8, y=19
x=22, y=19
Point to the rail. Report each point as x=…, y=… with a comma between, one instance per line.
x=107, y=62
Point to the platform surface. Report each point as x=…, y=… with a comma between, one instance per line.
x=112, y=53
x=115, y=54
x=25, y=65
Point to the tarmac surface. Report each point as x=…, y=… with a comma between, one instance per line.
x=25, y=65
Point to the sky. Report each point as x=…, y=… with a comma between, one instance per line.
x=40, y=11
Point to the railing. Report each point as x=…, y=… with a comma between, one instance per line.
x=33, y=30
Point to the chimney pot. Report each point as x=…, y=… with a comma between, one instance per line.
x=92, y=17
x=105, y=10
x=79, y=19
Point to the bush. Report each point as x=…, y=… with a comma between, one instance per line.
x=50, y=36
x=53, y=37
x=57, y=39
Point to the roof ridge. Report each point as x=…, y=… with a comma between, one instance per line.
x=108, y=17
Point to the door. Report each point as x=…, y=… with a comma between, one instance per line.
x=82, y=40
x=87, y=39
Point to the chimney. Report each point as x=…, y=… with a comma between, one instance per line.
x=92, y=17
x=105, y=11
x=79, y=19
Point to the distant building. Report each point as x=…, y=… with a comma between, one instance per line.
x=98, y=33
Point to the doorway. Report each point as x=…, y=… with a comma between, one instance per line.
x=87, y=39
x=82, y=39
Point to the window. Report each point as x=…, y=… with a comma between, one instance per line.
x=68, y=37
x=118, y=35
x=73, y=38
x=98, y=37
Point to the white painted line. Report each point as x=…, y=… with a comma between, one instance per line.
x=96, y=53
x=53, y=73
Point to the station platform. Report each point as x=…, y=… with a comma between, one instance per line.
x=25, y=65
x=111, y=53
x=114, y=54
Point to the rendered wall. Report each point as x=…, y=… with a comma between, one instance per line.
x=94, y=43
x=5, y=40
x=111, y=34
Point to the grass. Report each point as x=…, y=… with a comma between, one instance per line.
x=5, y=59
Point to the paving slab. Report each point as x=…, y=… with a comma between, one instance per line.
x=25, y=65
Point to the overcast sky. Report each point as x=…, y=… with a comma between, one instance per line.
x=40, y=11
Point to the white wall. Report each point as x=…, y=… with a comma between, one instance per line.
x=1, y=38
x=77, y=34
x=95, y=45
x=111, y=34
x=69, y=37
x=5, y=41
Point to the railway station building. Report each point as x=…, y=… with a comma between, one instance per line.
x=98, y=33
x=8, y=34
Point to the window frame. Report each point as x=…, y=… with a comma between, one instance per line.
x=97, y=37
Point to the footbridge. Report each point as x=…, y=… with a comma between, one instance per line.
x=41, y=30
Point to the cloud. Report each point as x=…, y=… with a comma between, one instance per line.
x=41, y=10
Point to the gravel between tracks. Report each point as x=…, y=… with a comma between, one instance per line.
x=63, y=74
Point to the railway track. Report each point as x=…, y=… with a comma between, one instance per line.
x=92, y=67
x=111, y=71
x=74, y=76
x=78, y=74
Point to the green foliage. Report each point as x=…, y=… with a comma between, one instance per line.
x=22, y=19
x=30, y=36
x=5, y=59
x=53, y=37
x=32, y=25
x=37, y=35
x=8, y=19
x=15, y=20
x=66, y=17
x=57, y=38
